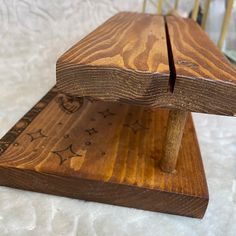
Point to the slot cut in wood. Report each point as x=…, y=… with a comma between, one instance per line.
x=172, y=76
x=176, y=120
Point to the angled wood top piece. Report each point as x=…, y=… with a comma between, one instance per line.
x=150, y=60
x=128, y=41
x=205, y=79
x=194, y=54
x=124, y=59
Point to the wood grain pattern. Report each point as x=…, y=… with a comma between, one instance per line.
x=205, y=79
x=128, y=51
x=105, y=152
x=126, y=59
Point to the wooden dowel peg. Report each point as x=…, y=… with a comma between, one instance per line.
x=174, y=133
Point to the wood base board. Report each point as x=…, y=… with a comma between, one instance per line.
x=104, y=152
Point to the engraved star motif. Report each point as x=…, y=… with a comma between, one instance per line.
x=66, y=154
x=136, y=126
x=91, y=131
x=106, y=113
x=36, y=135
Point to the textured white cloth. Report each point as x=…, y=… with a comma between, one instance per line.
x=33, y=35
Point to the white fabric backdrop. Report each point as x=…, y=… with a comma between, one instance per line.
x=33, y=35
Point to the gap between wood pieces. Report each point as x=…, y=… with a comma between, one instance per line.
x=176, y=120
x=172, y=77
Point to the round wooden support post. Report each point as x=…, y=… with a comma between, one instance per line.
x=174, y=133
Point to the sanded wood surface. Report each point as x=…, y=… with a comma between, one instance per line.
x=124, y=59
x=205, y=79
x=175, y=128
x=105, y=152
x=150, y=60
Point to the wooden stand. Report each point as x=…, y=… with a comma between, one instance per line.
x=125, y=155
x=104, y=152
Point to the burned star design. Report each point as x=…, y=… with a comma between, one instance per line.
x=106, y=113
x=66, y=154
x=136, y=126
x=36, y=135
x=91, y=131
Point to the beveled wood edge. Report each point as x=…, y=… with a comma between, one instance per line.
x=11, y=135
x=219, y=98
x=66, y=72
x=62, y=65
x=190, y=118
x=222, y=104
x=81, y=188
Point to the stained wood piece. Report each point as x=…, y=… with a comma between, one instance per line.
x=143, y=59
x=175, y=128
x=104, y=152
x=125, y=59
x=205, y=79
